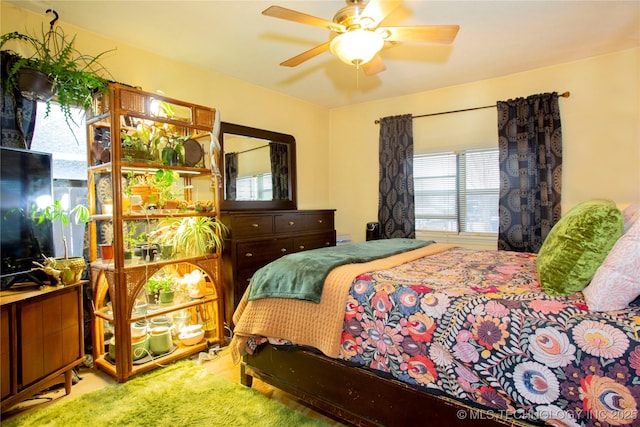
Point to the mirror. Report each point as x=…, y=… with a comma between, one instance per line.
x=258, y=169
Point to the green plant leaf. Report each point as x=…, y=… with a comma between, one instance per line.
x=77, y=76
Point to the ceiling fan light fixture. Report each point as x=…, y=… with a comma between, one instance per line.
x=356, y=47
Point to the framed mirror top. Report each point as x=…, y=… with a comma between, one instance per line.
x=258, y=168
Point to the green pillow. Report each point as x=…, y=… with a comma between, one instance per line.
x=577, y=245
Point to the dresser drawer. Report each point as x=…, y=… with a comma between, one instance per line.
x=303, y=222
x=314, y=241
x=289, y=223
x=252, y=226
x=242, y=282
x=253, y=255
x=320, y=221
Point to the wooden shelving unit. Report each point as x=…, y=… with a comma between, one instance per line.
x=118, y=284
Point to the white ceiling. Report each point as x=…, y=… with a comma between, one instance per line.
x=496, y=38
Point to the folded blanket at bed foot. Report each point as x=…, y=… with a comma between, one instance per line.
x=301, y=275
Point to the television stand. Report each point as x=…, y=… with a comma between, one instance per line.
x=36, y=320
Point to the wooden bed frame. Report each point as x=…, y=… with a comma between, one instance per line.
x=357, y=396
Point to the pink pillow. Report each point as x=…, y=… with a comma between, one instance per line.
x=631, y=215
x=617, y=281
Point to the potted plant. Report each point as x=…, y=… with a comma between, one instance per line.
x=163, y=181
x=106, y=251
x=131, y=239
x=154, y=188
x=164, y=235
x=146, y=251
x=190, y=236
x=199, y=235
x=173, y=148
x=71, y=267
x=133, y=147
x=162, y=288
x=71, y=75
x=143, y=186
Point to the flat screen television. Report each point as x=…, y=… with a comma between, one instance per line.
x=25, y=185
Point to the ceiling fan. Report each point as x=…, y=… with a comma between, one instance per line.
x=356, y=37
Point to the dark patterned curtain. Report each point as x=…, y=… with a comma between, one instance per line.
x=396, y=205
x=279, y=155
x=530, y=144
x=230, y=175
x=17, y=114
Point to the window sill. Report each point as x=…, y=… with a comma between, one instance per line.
x=466, y=240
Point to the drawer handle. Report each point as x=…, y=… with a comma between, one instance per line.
x=255, y=225
x=320, y=221
x=327, y=243
x=301, y=247
x=248, y=254
x=291, y=223
x=283, y=250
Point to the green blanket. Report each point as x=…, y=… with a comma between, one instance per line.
x=301, y=275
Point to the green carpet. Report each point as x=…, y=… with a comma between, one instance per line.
x=182, y=394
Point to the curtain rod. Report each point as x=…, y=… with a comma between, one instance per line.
x=251, y=149
x=563, y=95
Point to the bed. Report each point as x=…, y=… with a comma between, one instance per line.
x=443, y=335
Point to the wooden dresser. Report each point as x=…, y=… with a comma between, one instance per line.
x=259, y=237
x=41, y=339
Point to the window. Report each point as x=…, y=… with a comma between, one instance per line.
x=457, y=192
x=254, y=187
x=69, y=170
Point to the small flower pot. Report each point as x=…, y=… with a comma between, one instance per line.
x=166, y=297
x=169, y=157
x=107, y=208
x=106, y=252
x=146, y=252
x=152, y=298
x=166, y=251
x=35, y=85
x=147, y=195
x=171, y=204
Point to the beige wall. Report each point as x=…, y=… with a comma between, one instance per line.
x=600, y=123
x=337, y=149
x=238, y=101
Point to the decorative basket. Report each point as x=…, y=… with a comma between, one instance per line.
x=71, y=269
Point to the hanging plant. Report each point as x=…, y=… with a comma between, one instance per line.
x=75, y=77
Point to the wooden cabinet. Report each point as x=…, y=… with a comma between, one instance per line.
x=259, y=237
x=127, y=314
x=41, y=338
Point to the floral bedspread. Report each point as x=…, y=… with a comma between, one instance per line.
x=476, y=325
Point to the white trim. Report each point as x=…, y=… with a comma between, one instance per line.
x=467, y=240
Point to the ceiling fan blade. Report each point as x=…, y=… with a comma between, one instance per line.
x=302, y=18
x=375, y=66
x=427, y=33
x=377, y=10
x=304, y=56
